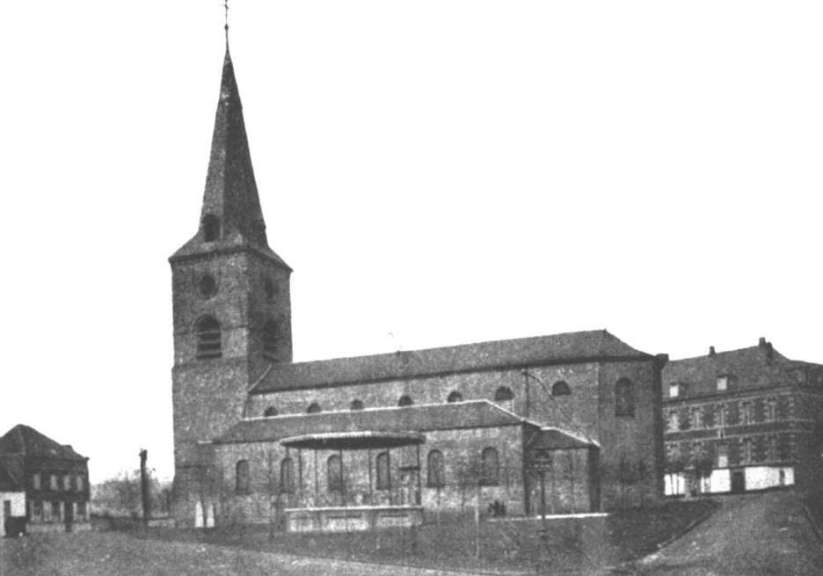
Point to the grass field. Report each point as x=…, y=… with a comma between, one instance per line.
x=569, y=546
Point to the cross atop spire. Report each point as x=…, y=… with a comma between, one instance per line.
x=226, y=26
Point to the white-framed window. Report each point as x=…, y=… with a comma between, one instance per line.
x=746, y=413
x=674, y=390
x=722, y=383
x=697, y=417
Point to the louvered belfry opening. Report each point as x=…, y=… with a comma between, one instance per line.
x=209, y=343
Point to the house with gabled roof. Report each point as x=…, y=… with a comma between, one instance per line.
x=742, y=420
x=380, y=440
x=53, y=477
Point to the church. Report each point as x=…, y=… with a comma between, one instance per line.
x=565, y=423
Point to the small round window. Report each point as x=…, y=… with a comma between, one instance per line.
x=208, y=286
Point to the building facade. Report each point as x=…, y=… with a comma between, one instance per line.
x=257, y=435
x=53, y=477
x=742, y=420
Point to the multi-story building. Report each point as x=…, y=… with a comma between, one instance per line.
x=53, y=476
x=741, y=420
x=12, y=500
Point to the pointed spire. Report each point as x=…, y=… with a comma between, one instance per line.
x=231, y=214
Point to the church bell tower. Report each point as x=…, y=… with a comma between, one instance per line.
x=232, y=313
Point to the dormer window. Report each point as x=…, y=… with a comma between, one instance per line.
x=722, y=383
x=211, y=228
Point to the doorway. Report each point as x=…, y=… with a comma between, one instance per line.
x=738, y=482
x=68, y=515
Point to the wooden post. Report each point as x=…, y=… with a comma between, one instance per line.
x=477, y=521
x=419, y=499
x=144, y=487
x=371, y=481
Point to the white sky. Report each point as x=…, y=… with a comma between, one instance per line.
x=448, y=171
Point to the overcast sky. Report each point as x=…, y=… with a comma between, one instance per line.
x=436, y=173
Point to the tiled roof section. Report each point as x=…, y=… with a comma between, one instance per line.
x=231, y=189
x=423, y=418
x=756, y=367
x=11, y=474
x=25, y=440
x=554, y=349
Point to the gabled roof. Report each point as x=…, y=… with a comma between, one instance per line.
x=26, y=441
x=231, y=190
x=11, y=474
x=752, y=368
x=422, y=418
x=570, y=347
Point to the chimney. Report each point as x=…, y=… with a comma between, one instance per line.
x=762, y=342
x=711, y=351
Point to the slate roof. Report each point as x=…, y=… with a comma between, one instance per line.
x=26, y=441
x=231, y=189
x=595, y=345
x=753, y=368
x=422, y=418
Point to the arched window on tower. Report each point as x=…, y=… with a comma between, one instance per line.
x=383, y=471
x=209, y=343
x=271, y=338
x=503, y=394
x=211, y=228
x=624, y=398
x=561, y=388
x=454, y=397
x=436, y=470
x=287, y=475
x=405, y=400
x=334, y=473
x=314, y=408
x=241, y=477
x=270, y=411
x=489, y=467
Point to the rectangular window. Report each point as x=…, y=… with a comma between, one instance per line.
x=6, y=508
x=722, y=456
x=746, y=451
x=53, y=481
x=697, y=418
x=722, y=383
x=56, y=511
x=746, y=413
x=37, y=510
x=674, y=390
x=79, y=479
x=671, y=421
x=770, y=410
x=771, y=453
x=35, y=481
x=67, y=482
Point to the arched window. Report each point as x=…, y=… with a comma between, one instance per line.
x=211, y=227
x=405, y=400
x=356, y=404
x=383, y=471
x=241, y=477
x=314, y=408
x=503, y=394
x=624, y=398
x=334, y=473
x=270, y=411
x=561, y=388
x=489, y=467
x=287, y=475
x=455, y=397
x=207, y=286
x=436, y=470
x=209, y=343
x=271, y=337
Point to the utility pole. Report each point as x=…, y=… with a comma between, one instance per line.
x=144, y=487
